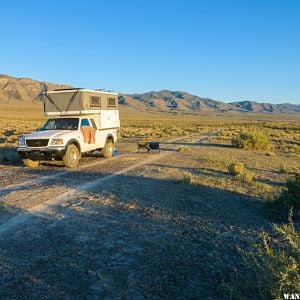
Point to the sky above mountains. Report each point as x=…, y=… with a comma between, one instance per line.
x=227, y=50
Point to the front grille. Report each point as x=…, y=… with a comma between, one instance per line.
x=37, y=143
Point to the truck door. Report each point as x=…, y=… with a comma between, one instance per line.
x=101, y=133
x=100, y=141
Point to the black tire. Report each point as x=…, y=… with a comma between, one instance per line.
x=31, y=163
x=71, y=157
x=108, y=149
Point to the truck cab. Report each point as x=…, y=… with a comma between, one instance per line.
x=93, y=126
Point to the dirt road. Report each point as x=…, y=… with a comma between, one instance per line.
x=122, y=228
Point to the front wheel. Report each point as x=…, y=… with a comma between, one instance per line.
x=108, y=149
x=31, y=163
x=71, y=157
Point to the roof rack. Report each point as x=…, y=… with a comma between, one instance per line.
x=68, y=89
x=104, y=90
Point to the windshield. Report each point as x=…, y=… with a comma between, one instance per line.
x=61, y=123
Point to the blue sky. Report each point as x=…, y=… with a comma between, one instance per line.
x=228, y=50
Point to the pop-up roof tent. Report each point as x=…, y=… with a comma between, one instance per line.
x=78, y=102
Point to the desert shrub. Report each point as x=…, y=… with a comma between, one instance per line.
x=273, y=268
x=247, y=176
x=289, y=198
x=288, y=169
x=255, y=140
x=236, y=168
x=187, y=178
x=183, y=149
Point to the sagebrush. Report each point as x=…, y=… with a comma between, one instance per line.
x=271, y=268
x=252, y=140
x=288, y=198
x=236, y=168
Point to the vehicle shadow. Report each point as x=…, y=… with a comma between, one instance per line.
x=9, y=156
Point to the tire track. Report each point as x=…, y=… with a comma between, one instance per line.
x=79, y=189
x=18, y=186
x=35, y=193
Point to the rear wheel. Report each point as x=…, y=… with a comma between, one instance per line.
x=108, y=149
x=31, y=163
x=71, y=157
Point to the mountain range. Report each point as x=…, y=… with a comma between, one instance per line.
x=24, y=90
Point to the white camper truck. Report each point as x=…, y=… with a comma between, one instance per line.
x=80, y=121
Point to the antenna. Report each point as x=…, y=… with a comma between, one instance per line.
x=43, y=91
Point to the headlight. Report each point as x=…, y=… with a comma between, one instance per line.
x=57, y=142
x=22, y=142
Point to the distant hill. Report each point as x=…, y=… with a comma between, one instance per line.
x=174, y=101
x=290, y=107
x=24, y=90
x=252, y=106
x=182, y=102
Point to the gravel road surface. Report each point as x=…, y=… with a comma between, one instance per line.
x=118, y=229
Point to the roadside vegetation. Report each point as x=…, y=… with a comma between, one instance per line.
x=10, y=131
x=271, y=267
x=249, y=140
x=273, y=264
x=288, y=199
x=236, y=168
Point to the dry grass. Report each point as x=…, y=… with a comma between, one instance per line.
x=10, y=131
x=289, y=169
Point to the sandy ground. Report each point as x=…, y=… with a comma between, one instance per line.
x=122, y=228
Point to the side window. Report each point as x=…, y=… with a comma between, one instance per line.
x=84, y=122
x=95, y=101
x=93, y=123
x=111, y=102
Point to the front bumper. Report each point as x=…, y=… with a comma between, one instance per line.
x=42, y=153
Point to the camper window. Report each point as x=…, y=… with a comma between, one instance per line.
x=95, y=101
x=111, y=102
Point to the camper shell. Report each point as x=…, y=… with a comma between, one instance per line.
x=73, y=102
x=80, y=121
